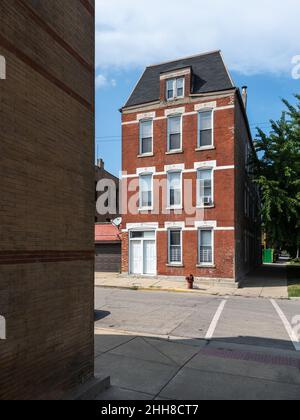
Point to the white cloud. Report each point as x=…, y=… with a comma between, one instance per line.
x=102, y=82
x=256, y=36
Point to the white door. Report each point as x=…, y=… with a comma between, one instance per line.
x=149, y=258
x=136, y=257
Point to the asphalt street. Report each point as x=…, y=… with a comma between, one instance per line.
x=248, y=321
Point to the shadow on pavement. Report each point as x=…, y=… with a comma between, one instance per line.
x=269, y=275
x=99, y=315
x=149, y=368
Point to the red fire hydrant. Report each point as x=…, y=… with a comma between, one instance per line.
x=190, y=282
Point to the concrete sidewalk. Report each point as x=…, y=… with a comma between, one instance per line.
x=150, y=368
x=266, y=282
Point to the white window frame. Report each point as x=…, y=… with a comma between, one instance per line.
x=130, y=239
x=181, y=132
x=178, y=206
x=147, y=208
x=204, y=110
x=175, y=264
x=200, y=205
x=212, y=230
x=175, y=88
x=141, y=139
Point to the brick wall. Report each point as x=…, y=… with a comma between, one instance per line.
x=245, y=224
x=224, y=184
x=47, y=197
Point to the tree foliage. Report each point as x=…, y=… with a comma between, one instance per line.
x=277, y=172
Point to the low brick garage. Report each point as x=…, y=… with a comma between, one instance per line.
x=47, y=197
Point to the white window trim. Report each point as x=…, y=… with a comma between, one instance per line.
x=140, y=135
x=141, y=226
x=174, y=79
x=205, y=106
x=212, y=264
x=179, y=264
x=199, y=147
x=179, y=206
x=146, y=208
x=181, y=133
x=212, y=169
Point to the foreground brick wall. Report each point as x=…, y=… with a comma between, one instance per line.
x=47, y=196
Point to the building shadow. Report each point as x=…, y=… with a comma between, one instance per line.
x=267, y=275
x=229, y=368
x=99, y=315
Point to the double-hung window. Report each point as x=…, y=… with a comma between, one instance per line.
x=146, y=192
x=175, y=246
x=205, y=187
x=206, y=254
x=146, y=137
x=205, y=120
x=175, y=190
x=175, y=88
x=174, y=133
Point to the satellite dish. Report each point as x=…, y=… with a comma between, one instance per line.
x=117, y=222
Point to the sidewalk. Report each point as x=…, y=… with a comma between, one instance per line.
x=151, y=368
x=267, y=282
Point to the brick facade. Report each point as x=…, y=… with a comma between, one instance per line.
x=47, y=197
x=230, y=136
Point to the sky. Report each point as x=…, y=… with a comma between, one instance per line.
x=259, y=39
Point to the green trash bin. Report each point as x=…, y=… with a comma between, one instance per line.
x=268, y=256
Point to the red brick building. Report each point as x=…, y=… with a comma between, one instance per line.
x=189, y=205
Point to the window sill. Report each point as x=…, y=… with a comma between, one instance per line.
x=175, y=265
x=146, y=209
x=175, y=152
x=206, y=266
x=174, y=99
x=146, y=155
x=174, y=208
x=206, y=207
x=205, y=148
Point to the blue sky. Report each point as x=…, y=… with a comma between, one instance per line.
x=258, y=41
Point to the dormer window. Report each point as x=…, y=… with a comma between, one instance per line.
x=175, y=88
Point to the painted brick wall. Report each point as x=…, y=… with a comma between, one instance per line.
x=47, y=196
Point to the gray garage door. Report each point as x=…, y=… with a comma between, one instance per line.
x=108, y=258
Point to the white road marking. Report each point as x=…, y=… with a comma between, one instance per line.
x=213, y=325
x=287, y=326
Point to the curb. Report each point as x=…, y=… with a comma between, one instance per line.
x=156, y=289
x=186, y=291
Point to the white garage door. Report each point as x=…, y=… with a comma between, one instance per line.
x=143, y=253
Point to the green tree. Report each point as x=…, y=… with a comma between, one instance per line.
x=277, y=172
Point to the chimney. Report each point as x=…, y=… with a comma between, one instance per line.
x=100, y=163
x=245, y=95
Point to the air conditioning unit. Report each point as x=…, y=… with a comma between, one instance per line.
x=207, y=201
